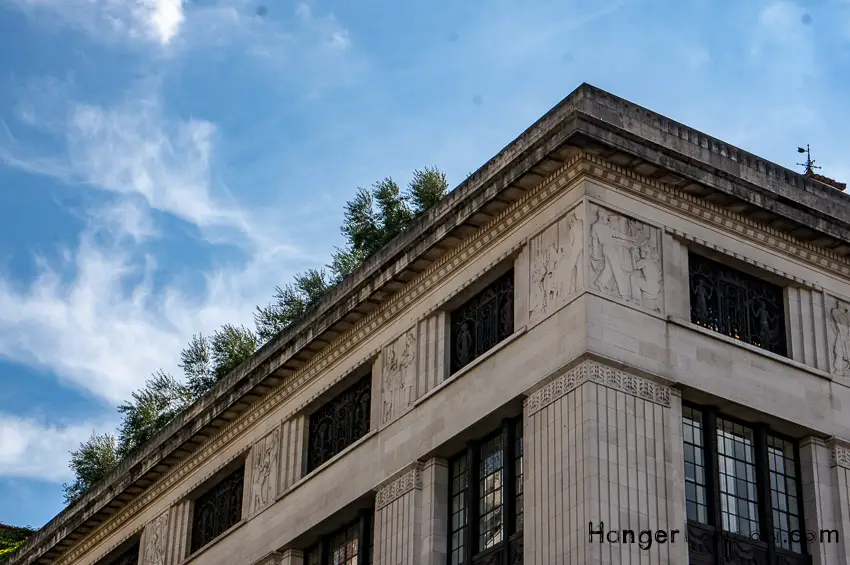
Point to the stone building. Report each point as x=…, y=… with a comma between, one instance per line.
x=619, y=341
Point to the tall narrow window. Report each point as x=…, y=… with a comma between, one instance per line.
x=349, y=545
x=218, y=509
x=742, y=492
x=340, y=422
x=485, y=500
x=736, y=304
x=482, y=321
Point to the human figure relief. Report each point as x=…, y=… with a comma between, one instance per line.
x=398, y=376
x=264, y=459
x=608, y=251
x=155, y=550
x=647, y=276
x=574, y=251
x=841, y=346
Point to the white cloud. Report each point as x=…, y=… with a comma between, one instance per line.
x=158, y=21
x=39, y=450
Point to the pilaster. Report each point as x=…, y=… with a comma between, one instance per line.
x=398, y=517
x=292, y=437
x=435, y=512
x=604, y=447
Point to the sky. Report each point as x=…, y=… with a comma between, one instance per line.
x=165, y=163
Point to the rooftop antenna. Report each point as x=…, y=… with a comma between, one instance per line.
x=810, y=163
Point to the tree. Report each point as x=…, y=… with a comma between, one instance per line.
x=11, y=538
x=291, y=302
x=95, y=458
x=427, y=188
x=197, y=365
x=151, y=409
x=229, y=347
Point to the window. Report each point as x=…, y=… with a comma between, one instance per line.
x=129, y=556
x=736, y=304
x=740, y=481
x=482, y=321
x=349, y=545
x=485, y=500
x=339, y=423
x=218, y=509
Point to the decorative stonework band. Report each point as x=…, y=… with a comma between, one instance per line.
x=593, y=372
x=840, y=456
x=409, y=480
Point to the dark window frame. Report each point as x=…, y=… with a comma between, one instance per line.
x=224, y=500
x=479, y=324
x=709, y=543
x=737, y=304
x=464, y=507
x=321, y=552
x=327, y=434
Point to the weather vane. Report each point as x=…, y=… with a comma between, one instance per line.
x=810, y=163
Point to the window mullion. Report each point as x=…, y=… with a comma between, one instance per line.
x=473, y=495
x=712, y=478
x=509, y=484
x=763, y=489
x=363, y=538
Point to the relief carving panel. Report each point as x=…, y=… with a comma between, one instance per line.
x=625, y=258
x=555, y=260
x=156, y=538
x=265, y=459
x=398, y=376
x=839, y=329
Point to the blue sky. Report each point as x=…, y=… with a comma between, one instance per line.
x=164, y=164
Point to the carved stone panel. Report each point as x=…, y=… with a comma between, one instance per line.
x=154, y=550
x=556, y=265
x=625, y=258
x=838, y=316
x=265, y=461
x=398, y=376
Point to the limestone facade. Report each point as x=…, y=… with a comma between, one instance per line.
x=603, y=357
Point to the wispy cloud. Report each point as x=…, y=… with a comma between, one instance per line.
x=157, y=21
x=37, y=449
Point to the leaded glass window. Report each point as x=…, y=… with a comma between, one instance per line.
x=742, y=492
x=485, y=500
x=349, y=545
x=482, y=321
x=218, y=509
x=736, y=304
x=340, y=422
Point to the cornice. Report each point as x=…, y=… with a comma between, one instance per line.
x=707, y=212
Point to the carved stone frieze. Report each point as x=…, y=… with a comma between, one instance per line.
x=398, y=376
x=625, y=258
x=556, y=265
x=397, y=487
x=840, y=455
x=838, y=316
x=155, y=547
x=265, y=461
x=593, y=372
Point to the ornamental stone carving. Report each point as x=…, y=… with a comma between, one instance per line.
x=625, y=258
x=398, y=376
x=839, y=326
x=264, y=465
x=397, y=487
x=555, y=261
x=156, y=538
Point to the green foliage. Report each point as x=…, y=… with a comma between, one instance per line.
x=151, y=409
x=11, y=538
x=95, y=458
x=229, y=347
x=371, y=219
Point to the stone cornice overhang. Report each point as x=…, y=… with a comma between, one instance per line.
x=588, y=119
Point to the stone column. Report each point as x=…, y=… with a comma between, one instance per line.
x=604, y=447
x=292, y=437
x=435, y=512
x=676, y=277
x=825, y=473
x=398, y=516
